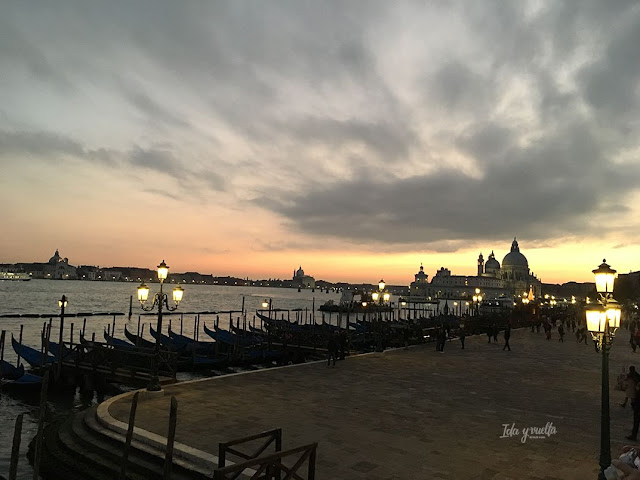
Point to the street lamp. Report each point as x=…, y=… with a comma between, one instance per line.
x=477, y=298
x=159, y=299
x=603, y=319
x=62, y=303
x=380, y=297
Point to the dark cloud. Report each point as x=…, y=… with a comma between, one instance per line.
x=395, y=123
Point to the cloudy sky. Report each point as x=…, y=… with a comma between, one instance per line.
x=355, y=138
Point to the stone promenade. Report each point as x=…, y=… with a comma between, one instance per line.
x=417, y=414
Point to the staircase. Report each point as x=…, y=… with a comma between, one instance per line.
x=81, y=448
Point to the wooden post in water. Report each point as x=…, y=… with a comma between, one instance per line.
x=181, y=317
x=230, y=320
x=84, y=326
x=195, y=327
x=127, y=443
x=43, y=407
x=2, y=335
x=171, y=435
x=93, y=337
x=71, y=336
x=130, y=307
x=198, y=329
x=113, y=327
x=18, y=360
x=139, y=333
x=15, y=448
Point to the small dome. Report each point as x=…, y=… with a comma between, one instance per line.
x=514, y=258
x=300, y=272
x=492, y=263
x=55, y=259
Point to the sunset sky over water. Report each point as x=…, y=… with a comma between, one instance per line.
x=358, y=139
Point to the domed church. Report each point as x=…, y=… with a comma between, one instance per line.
x=514, y=271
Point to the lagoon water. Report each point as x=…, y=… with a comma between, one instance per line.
x=41, y=297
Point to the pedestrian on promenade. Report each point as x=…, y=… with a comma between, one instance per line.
x=636, y=418
x=332, y=347
x=547, y=330
x=496, y=330
x=573, y=324
x=406, y=333
x=443, y=338
x=561, y=333
x=538, y=327
x=507, y=336
x=489, y=333
x=342, y=344
x=632, y=341
x=637, y=336
x=462, y=337
x=632, y=380
x=533, y=326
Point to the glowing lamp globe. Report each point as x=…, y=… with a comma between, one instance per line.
x=143, y=293
x=163, y=271
x=178, y=292
x=381, y=285
x=596, y=319
x=375, y=296
x=364, y=304
x=63, y=302
x=265, y=304
x=605, y=278
x=386, y=297
x=613, y=313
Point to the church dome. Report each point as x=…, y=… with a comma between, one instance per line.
x=514, y=258
x=492, y=263
x=55, y=259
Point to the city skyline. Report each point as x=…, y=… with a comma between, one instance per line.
x=357, y=139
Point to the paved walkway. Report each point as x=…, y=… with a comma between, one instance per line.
x=417, y=414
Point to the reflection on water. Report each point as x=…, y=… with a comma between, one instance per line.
x=59, y=406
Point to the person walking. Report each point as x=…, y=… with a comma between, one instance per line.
x=632, y=342
x=332, y=348
x=443, y=338
x=636, y=418
x=507, y=336
x=632, y=383
x=462, y=337
x=561, y=333
x=342, y=343
x=496, y=330
x=538, y=327
x=489, y=333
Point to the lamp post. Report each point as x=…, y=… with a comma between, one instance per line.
x=603, y=319
x=381, y=297
x=477, y=298
x=62, y=303
x=159, y=299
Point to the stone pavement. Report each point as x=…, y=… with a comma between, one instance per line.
x=416, y=414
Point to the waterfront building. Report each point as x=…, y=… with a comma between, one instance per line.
x=300, y=280
x=58, y=268
x=495, y=281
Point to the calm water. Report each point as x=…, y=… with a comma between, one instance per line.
x=41, y=296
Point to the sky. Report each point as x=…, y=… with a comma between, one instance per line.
x=357, y=139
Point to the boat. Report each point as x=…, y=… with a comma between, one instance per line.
x=117, y=342
x=168, y=341
x=138, y=340
x=282, y=323
x=32, y=356
x=189, y=344
x=7, y=370
x=224, y=336
x=14, y=276
x=24, y=383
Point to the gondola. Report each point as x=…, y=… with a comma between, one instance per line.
x=117, y=342
x=282, y=323
x=10, y=372
x=26, y=382
x=138, y=340
x=32, y=356
x=168, y=342
x=224, y=336
x=189, y=344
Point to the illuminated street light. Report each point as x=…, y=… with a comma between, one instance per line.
x=160, y=300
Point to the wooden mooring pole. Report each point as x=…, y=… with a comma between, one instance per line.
x=15, y=448
x=168, y=458
x=43, y=407
x=2, y=335
x=20, y=340
x=127, y=444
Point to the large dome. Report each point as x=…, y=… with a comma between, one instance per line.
x=514, y=258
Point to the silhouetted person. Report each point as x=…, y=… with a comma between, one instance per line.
x=489, y=333
x=462, y=337
x=406, y=333
x=633, y=381
x=538, y=327
x=496, y=330
x=332, y=347
x=561, y=333
x=342, y=343
x=636, y=418
x=507, y=336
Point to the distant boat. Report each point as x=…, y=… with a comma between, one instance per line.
x=14, y=277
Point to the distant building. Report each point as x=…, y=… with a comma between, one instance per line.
x=494, y=281
x=300, y=280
